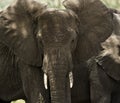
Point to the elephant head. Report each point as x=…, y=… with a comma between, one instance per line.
x=94, y=26
x=39, y=36
x=59, y=35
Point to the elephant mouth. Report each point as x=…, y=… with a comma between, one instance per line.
x=70, y=80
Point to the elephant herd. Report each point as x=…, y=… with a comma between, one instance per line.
x=69, y=55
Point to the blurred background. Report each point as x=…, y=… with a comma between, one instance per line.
x=58, y=4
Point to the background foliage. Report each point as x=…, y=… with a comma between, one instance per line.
x=58, y=4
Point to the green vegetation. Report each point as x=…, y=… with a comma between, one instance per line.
x=58, y=4
x=4, y=3
x=51, y=3
x=112, y=3
x=19, y=101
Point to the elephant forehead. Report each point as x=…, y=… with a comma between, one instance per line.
x=53, y=36
x=57, y=26
x=58, y=18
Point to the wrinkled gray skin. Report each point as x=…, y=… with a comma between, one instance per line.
x=95, y=25
x=31, y=37
x=20, y=54
x=58, y=35
x=35, y=40
x=105, y=72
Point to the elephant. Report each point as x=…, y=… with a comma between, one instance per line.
x=43, y=51
x=20, y=55
x=59, y=41
x=95, y=25
x=36, y=45
x=104, y=69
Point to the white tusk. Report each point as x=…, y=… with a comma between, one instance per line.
x=71, y=79
x=45, y=81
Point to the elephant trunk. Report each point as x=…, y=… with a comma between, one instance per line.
x=59, y=85
x=57, y=66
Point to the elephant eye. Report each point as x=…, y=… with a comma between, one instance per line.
x=119, y=50
x=72, y=42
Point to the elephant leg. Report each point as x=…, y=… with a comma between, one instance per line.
x=100, y=86
x=33, y=85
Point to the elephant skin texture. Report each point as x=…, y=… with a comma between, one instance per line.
x=35, y=44
x=105, y=69
x=95, y=25
x=20, y=56
x=42, y=46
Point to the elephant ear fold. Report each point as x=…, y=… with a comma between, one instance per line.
x=94, y=17
x=18, y=31
x=116, y=23
x=111, y=67
x=31, y=6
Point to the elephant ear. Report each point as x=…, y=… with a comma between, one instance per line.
x=116, y=22
x=18, y=30
x=111, y=53
x=94, y=24
x=93, y=17
x=111, y=66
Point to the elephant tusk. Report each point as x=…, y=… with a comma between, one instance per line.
x=71, y=79
x=45, y=81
